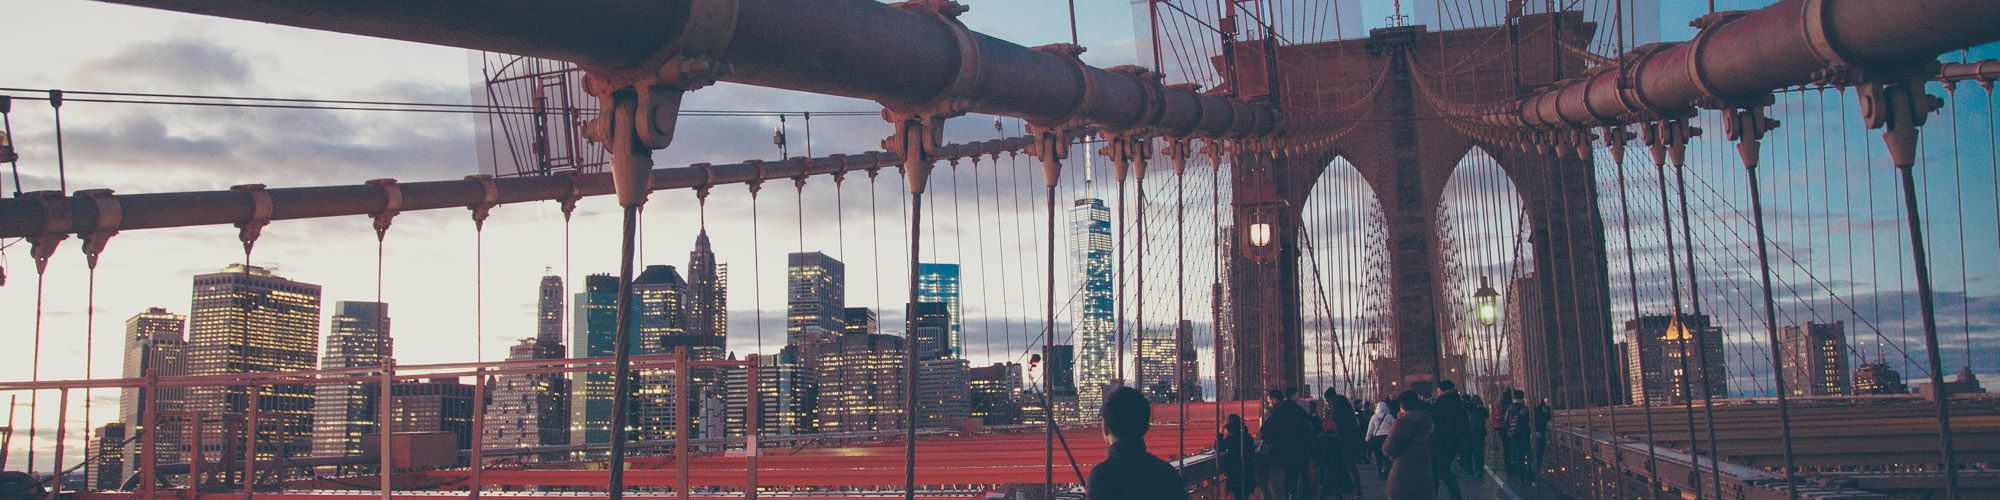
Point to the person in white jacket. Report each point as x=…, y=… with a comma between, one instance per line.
x=1378, y=432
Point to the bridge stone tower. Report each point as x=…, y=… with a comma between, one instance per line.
x=1388, y=86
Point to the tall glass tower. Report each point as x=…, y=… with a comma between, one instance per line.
x=1090, y=249
x=939, y=283
x=344, y=414
x=593, y=329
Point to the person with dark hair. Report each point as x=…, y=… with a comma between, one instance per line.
x=1286, y=432
x=1378, y=431
x=1236, y=449
x=1411, y=477
x=1128, y=471
x=1472, y=455
x=1519, y=428
x=1447, y=434
x=1337, y=447
x=1543, y=414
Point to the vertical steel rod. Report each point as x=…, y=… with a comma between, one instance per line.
x=621, y=374
x=1922, y=262
x=910, y=350
x=477, y=463
x=1771, y=322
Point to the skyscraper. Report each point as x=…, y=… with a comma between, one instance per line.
x=996, y=393
x=786, y=393
x=1878, y=378
x=943, y=391
x=343, y=414
x=108, y=472
x=861, y=320
x=528, y=409
x=549, y=311
x=435, y=405
x=1165, y=370
x=593, y=329
x=930, y=327
x=708, y=291
x=1657, y=341
x=1061, y=368
x=940, y=283
x=861, y=383
x=815, y=302
x=247, y=319
x=154, y=346
x=660, y=319
x=1816, y=359
x=533, y=409
x=1096, y=342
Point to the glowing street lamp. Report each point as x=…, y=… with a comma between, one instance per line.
x=1374, y=344
x=1486, y=303
x=1258, y=235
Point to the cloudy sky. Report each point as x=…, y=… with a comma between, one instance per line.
x=990, y=226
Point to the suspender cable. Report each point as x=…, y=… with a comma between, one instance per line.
x=1672, y=136
x=1700, y=339
x=1215, y=259
x=35, y=365
x=62, y=177
x=1632, y=279
x=910, y=354
x=1958, y=202
x=1180, y=286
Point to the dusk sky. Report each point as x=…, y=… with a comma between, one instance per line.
x=429, y=274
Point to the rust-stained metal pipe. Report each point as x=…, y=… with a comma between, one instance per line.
x=900, y=57
x=28, y=216
x=1747, y=54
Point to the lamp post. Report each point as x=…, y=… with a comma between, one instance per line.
x=1486, y=303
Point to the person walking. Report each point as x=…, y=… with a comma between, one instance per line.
x=1337, y=447
x=1520, y=428
x=1498, y=423
x=1237, y=450
x=1448, y=430
x=1473, y=458
x=1543, y=414
x=1128, y=472
x=1411, y=476
x=1378, y=431
x=1284, y=453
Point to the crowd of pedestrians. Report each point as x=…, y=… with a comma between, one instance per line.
x=1312, y=448
x=1418, y=444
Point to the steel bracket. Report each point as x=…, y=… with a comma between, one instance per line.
x=1900, y=108
x=1178, y=150
x=110, y=215
x=55, y=227
x=917, y=138
x=252, y=227
x=392, y=204
x=489, y=198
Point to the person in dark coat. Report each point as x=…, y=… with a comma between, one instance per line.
x=1128, y=472
x=1285, y=434
x=1411, y=476
x=1337, y=448
x=1543, y=414
x=1473, y=456
x=1520, y=427
x=1237, y=451
x=1448, y=429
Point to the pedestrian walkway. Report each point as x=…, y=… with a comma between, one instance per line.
x=1481, y=488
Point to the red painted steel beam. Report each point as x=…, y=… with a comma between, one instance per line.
x=1793, y=42
x=902, y=58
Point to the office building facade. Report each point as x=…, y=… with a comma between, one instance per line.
x=815, y=302
x=861, y=381
x=345, y=413
x=1815, y=359
x=939, y=283
x=1655, y=346
x=593, y=330
x=155, y=345
x=247, y=319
